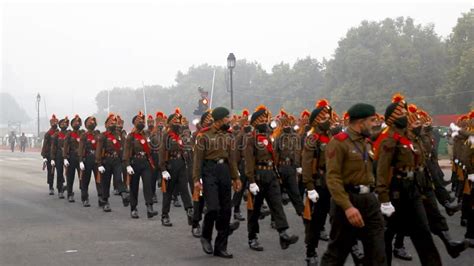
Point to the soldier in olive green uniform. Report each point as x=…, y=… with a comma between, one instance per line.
x=138, y=161
x=470, y=179
x=87, y=147
x=314, y=177
x=57, y=146
x=288, y=156
x=156, y=140
x=46, y=154
x=396, y=184
x=215, y=165
x=108, y=158
x=71, y=155
x=263, y=181
x=355, y=210
x=173, y=166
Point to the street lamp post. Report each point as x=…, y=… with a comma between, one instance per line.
x=230, y=66
x=38, y=99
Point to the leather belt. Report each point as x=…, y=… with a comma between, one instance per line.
x=112, y=155
x=265, y=163
x=359, y=189
x=264, y=167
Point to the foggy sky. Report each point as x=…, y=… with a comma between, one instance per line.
x=69, y=51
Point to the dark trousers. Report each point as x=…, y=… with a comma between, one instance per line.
x=113, y=167
x=270, y=191
x=22, y=147
x=435, y=174
x=71, y=172
x=198, y=207
x=470, y=215
x=177, y=170
x=343, y=235
x=89, y=163
x=290, y=183
x=319, y=213
x=217, y=190
x=50, y=177
x=237, y=197
x=155, y=173
x=410, y=219
x=142, y=169
x=60, y=171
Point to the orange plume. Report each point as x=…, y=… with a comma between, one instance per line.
x=412, y=108
x=397, y=97
x=261, y=107
x=305, y=113
x=177, y=111
x=159, y=114
x=245, y=112
x=322, y=103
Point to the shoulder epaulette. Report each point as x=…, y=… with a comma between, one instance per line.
x=341, y=136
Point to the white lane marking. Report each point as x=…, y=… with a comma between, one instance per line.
x=71, y=251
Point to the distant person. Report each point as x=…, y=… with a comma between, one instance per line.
x=12, y=140
x=23, y=142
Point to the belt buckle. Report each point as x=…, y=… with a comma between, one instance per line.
x=287, y=159
x=142, y=153
x=363, y=189
x=270, y=163
x=220, y=161
x=410, y=174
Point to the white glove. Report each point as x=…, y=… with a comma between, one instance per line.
x=82, y=166
x=454, y=127
x=166, y=175
x=387, y=209
x=66, y=162
x=101, y=169
x=53, y=163
x=130, y=170
x=470, y=177
x=299, y=170
x=454, y=134
x=45, y=160
x=254, y=188
x=446, y=178
x=313, y=195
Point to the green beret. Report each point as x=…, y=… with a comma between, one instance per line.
x=219, y=113
x=170, y=117
x=256, y=115
x=204, y=116
x=360, y=111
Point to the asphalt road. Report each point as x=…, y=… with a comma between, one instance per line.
x=38, y=229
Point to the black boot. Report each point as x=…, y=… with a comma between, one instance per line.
x=470, y=242
x=454, y=248
x=196, y=231
x=70, y=197
x=451, y=207
x=285, y=199
x=223, y=254
x=233, y=226
x=106, y=207
x=312, y=260
x=155, y=199
x=402, y=254
x=101, y=202
x=86, y=203
x=134, y=214
x=264, y=212
x=287, y=240
x=150, y=212
x=323, y=235
x=238, y=216
x=125, y=199
x=255, y=245
x=357, y=255
x=51, y=191
x=165, y=220
x=206, y=246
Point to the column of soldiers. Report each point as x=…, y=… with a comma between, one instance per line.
x=376, y=177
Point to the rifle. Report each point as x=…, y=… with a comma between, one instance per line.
x=45, y=164
x=249, y=201
x=307, y=209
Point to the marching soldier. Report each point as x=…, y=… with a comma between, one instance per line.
x=46, y=154
x=71, y=155
x=215, y=164
x=138, y=161
x=122, y=138
x=263, y=181
x=108, y=154
x=396, y=185
x=57, y=160
x=156, y=140
x=173, y=168
x=87, y=148
x=355, y=210
x=288, y=158
x=198, y=200
x=237, y=197
x=23, y=142
x=314, y=177
x=469, y=159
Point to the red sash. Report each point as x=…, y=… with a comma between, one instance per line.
x=112, y=138
x=51, y=132
x=61, y=135
x=176, y=138
x=142, y=141
x=324, y=139
x=261, y=138
x=75, y=136
x=91, y=139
